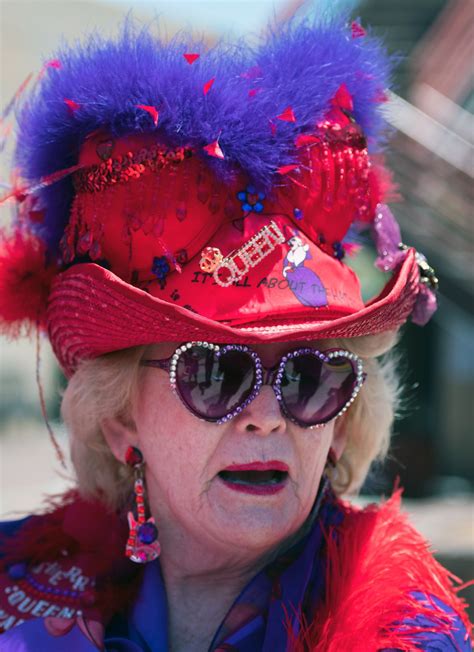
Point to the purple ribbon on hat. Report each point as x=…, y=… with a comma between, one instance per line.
x=392, y=252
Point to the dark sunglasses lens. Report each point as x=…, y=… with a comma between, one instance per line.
x=314, y=391
x=213, y=386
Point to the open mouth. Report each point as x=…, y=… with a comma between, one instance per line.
x=258, y=482
x=254, y=477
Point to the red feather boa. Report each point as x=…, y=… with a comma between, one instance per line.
x=92, y=536
x=374, y=561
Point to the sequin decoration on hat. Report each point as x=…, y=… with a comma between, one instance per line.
x=208, y=190
x=251, y=200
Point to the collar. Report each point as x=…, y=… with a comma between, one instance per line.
x=269, y=605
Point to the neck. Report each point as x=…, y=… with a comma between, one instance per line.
x=204, y=577
x=202, y=586
x=200, y=597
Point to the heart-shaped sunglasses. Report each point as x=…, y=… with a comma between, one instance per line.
x=216, y=382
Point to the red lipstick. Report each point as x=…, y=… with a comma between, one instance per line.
x=272, y=465
x=259, y=490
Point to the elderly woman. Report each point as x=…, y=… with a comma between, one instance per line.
x=181, y=235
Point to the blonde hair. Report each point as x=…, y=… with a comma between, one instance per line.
x=105, y=388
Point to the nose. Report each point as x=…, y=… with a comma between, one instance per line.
x=263, y=415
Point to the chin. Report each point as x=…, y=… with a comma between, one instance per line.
x=258, y=538
x=259, y=524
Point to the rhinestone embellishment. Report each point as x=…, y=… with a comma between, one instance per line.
x=210, y=259
x=277, y=377
x=324, y=357
x=236, y=265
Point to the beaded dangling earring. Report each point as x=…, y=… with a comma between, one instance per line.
x=142, y=545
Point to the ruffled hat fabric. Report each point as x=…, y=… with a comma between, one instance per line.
x=136, y=155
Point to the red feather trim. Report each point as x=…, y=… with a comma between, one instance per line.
x=287, y=115
x=214, y=149
x=86, y=532
x=151, y=110
x=25, y=282
x=68, y=523
x=357, y=30
x=208, y=85
x=375, y=558
x=191, y=57
x=71, y=105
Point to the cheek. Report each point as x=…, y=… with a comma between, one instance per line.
x=171, y=439
x=312, y=448
x=182, y=454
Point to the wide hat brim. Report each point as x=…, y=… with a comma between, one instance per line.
x=91, y=312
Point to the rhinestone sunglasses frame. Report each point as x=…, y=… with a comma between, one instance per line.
x=264, y=376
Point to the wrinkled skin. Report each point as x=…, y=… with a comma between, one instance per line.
x=211, y=535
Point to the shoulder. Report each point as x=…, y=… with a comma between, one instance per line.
x=385, y=590
x=63, y=565
x=38, y=578
x=442, y=630
x=9, y=528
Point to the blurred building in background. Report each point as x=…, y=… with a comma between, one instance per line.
x=432, y=157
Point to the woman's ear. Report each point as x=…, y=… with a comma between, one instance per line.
x=119, y=435
x=339, y=437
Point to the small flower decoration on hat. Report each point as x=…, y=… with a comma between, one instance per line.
x=161, y=268
x=251, y=200
x=339, y=252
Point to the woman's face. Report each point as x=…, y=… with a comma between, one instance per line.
x=185, y=456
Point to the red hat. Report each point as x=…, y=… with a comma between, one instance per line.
x=179, y=210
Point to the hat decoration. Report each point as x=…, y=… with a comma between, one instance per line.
x=392, y=252
x=135, y=154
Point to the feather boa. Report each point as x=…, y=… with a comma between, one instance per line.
x=25, y=281
x=91, y=535
x=376, y=560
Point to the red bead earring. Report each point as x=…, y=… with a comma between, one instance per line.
x=142, y=545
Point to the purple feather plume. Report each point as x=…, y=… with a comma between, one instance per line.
x=301, y=65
